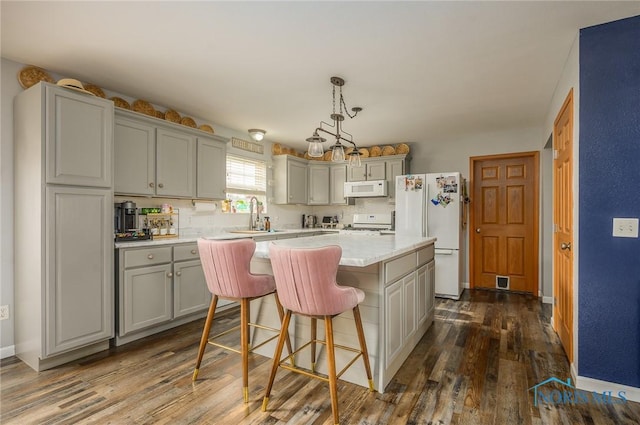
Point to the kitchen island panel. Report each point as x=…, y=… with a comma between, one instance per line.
x=375, y=254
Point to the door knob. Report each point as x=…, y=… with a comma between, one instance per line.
x=478, y=230
x=564, y=246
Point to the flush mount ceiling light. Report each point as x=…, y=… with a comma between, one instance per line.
x=257, y=134
x=335, y=130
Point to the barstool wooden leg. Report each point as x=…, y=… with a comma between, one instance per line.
x=281, y=314
x=331, y=366
x=205, y=335
x=314, y=335
x=284, y=332
x=244, y=346
x=363, y=346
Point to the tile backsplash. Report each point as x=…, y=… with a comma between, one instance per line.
x=206, y=217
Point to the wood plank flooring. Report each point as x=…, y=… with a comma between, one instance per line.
x=475, y=365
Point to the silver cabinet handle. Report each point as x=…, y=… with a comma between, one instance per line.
x=194, y=252
x=478, y=230
x=150, y=256
x=169, y=274
x=565, y=246
x=151, y=184
x=178, y=273
x=160, y=185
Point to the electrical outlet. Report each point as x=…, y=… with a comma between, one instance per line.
x=625, y=227
x=4, y=312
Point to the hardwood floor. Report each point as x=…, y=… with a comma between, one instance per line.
x=475, y=365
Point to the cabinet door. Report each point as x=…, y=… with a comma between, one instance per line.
x=410, y=292
x=79, y=275
x=190, y=292
x=146, y=297
x=376, y=170
x=297, y=182
x=337, y=177
x=79, y=147
x=175, y=164
x=393, y=305
x=357, y=174
x=422, y=303
x=318, y=185
x=211, y=169
x=135, y=158
x=394, y=168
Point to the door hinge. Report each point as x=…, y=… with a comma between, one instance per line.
x=555, y=227
x=555, y=154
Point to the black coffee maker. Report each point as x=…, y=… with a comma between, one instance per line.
x=125, y=216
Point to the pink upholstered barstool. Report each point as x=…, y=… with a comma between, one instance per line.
x=226, y=270
x=306, y=282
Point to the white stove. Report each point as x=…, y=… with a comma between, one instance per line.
x=368, y=224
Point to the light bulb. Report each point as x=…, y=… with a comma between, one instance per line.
x=337, y=153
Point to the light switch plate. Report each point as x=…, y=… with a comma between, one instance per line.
x=625, y=227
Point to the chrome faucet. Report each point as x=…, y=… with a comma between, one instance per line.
x=252, y=222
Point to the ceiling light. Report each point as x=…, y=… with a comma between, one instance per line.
x=257, y=134
x=337, y=150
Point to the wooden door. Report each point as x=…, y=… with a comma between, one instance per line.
x=504, y=218
x=563, y=223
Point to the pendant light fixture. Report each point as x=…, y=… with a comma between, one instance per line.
x=335, y=130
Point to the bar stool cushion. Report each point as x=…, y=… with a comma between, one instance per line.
x=226, y=269
x=306, y=280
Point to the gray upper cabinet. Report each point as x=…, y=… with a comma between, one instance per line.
x=159, y=158
x=337, y=178
x=135, y=157
x=211, y=169
x=395, y=167
x=79, y=132
x=290, y=177
x=175, y=164
x=318, y=185
x=370, y=170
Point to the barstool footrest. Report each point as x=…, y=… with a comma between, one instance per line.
x=211, y=340
x=313, y=373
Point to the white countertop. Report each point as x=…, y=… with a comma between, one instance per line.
x=191, y=239
x=357, y=250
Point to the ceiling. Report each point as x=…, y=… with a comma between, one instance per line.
x=421, y=70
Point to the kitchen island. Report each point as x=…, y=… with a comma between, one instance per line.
x=397, y=276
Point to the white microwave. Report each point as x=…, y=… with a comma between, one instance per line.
x=365, y=189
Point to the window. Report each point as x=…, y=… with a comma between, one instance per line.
x=245, y=178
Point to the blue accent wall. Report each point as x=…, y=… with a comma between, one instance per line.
x=609, y=184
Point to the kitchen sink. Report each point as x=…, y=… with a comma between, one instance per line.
x=253, y=232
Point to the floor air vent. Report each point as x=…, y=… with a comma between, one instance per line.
x=502, y=282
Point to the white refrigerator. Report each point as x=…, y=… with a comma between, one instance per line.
x=433, y=205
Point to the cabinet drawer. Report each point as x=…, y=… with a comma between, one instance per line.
x=186, y=252
x=399, y=267
x=425, y=255
x=146, y=256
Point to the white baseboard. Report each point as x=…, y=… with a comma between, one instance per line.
x=547, y=300
x=466, y=285
x=7, y=351
x=590, y=384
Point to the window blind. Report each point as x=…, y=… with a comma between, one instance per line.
x=245, y=175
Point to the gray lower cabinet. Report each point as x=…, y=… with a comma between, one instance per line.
x=63, y=267
x=159, y=288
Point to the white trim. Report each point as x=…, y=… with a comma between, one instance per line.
x=7, y=351
x=547, y=300
x=466, y=285
x=590, y=384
